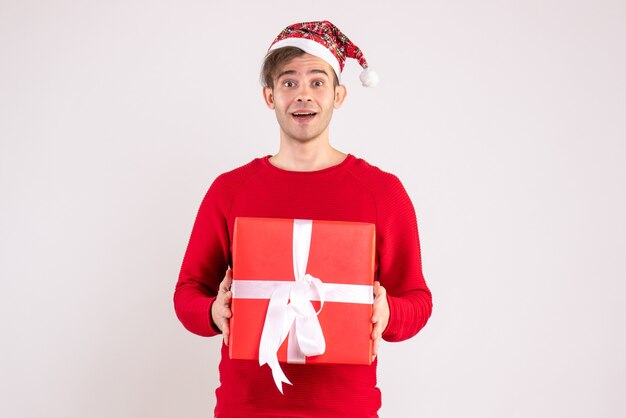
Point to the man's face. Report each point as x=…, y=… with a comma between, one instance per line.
x=304, y=98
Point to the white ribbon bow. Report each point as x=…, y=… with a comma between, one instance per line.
x=291, y=313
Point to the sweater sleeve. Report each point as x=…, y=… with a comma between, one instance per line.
x=400, y=264
x=205, y=263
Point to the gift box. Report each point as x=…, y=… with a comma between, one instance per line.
x=302, y=292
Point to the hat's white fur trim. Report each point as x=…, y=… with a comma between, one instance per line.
x=311, y=47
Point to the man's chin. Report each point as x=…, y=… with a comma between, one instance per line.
x=302, y=138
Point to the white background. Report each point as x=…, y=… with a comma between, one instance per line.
x=505, y=120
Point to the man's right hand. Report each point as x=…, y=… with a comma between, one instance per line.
x=220, y=310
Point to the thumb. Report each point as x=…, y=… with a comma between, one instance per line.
x=378, y=289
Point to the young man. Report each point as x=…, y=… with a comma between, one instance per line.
x=306, y=179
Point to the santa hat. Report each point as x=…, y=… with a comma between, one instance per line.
x=325, y=41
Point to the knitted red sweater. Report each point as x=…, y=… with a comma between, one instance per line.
x=350, y=191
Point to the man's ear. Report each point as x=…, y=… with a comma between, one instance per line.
x=340, y=95
x=268, y=95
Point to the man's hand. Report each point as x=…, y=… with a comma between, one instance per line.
x=220, y=310
x=380, y=316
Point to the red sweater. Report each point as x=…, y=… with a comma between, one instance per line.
x=350, y=191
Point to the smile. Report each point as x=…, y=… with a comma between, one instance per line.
x=303, y=115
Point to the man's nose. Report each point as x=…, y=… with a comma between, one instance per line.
x=304, y=94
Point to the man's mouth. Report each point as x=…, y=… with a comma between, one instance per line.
x=303, y=115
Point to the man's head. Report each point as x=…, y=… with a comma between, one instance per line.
x=301, y=77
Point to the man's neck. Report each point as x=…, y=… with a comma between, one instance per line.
x=309, y=156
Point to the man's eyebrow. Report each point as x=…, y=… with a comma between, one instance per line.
x=287, y=72
x=319, y=72
x=291, y=72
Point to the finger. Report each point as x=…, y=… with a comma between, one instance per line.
x=228, y=278
x=227, y=297
x=227, y=281
x=376, y=331
x=379, y=291
x=223, y=310
x=375, y=348
x=226, y=331
x=224, y=286
x=375, y=318
x=374, y=310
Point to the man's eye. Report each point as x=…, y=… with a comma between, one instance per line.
x=318, y=83
x=289, y=84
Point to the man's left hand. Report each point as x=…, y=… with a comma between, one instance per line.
x=380, y=316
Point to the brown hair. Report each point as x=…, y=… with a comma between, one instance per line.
x=276, y=58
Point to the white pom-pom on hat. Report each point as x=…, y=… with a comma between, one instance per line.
x=369, y=77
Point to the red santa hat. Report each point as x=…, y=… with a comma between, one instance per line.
x=325, y=41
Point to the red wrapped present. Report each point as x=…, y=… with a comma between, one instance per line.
x=302, y=292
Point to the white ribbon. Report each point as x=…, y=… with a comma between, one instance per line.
x=333, y=292
x=290, y=311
